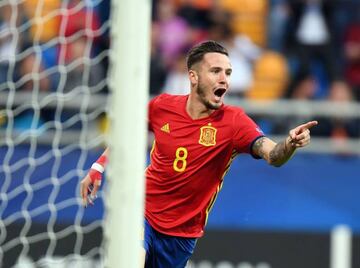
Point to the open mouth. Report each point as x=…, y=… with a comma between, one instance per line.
x=219, y=92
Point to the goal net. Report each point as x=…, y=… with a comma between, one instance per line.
x=53, y=101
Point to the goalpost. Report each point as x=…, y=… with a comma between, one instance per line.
x=130, y=56
x=52, y=107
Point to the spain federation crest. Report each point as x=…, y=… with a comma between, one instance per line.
x=208, y=135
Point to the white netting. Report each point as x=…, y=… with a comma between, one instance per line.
x=53, y=91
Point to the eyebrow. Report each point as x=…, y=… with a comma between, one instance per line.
x=220, y=68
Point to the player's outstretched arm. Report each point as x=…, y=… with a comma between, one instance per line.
x=92, y=181
x=277, y=154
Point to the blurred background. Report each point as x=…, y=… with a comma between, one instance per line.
x=293, y=61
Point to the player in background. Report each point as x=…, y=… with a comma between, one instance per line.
x=197, y=137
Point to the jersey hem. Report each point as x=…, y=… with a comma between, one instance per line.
x=175, y=234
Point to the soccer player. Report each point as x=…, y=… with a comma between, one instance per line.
x=197, y=137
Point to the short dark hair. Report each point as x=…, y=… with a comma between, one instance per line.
x=197, y=53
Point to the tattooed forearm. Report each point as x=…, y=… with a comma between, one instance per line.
x=258, y=147
x=280, y=154
x=275, y=154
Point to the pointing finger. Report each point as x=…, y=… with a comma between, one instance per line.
x=307, y=125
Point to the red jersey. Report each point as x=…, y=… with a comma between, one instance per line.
x=189, y=160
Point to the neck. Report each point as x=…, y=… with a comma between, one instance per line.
x=196, y=109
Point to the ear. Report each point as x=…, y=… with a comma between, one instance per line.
x=193, y=77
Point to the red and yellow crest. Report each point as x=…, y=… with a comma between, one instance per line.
x=208, y=135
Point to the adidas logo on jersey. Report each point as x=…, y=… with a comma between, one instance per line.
x=166, y=128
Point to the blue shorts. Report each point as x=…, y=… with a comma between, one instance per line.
x=164, y=251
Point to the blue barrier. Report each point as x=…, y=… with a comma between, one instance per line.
x=312, y=192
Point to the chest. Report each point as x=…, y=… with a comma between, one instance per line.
x=196, y=137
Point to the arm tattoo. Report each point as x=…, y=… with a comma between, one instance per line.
x=279, y=155
x=258, y=147
x=279, y=152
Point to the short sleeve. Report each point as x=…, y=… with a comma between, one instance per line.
x=151, y=112
x=246, y=132
x=153, y=108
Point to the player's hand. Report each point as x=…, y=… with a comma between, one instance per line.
x=88, y=190
x=300, y=136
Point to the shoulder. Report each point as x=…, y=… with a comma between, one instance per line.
x=168, y=100
x=167, y=97
x=238, y=117
x=233, y=111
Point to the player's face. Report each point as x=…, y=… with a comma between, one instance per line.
x=213, y=79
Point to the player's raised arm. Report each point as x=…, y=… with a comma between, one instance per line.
x=277, y=154
x=92, y=181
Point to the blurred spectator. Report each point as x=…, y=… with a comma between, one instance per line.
x=79, y=25
x=197, y=4
x=103, y=43
x=271, y=76
x=310, y=41
x=158, y=71
x=337, y=127
x=220, y=16
x=10, y=41
x=31, y=74
x=352, y=58
x=32, y=78
x=196, y=12
x=242, y=53
x=277, y=21
x=44, y=16
x=81, y=71
x=177, y=81
x=175, y=32
x=305, y=90
x=78, y=21
x=43, y=24
x=82, y=76
x=346, y=12
x=248, y=18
